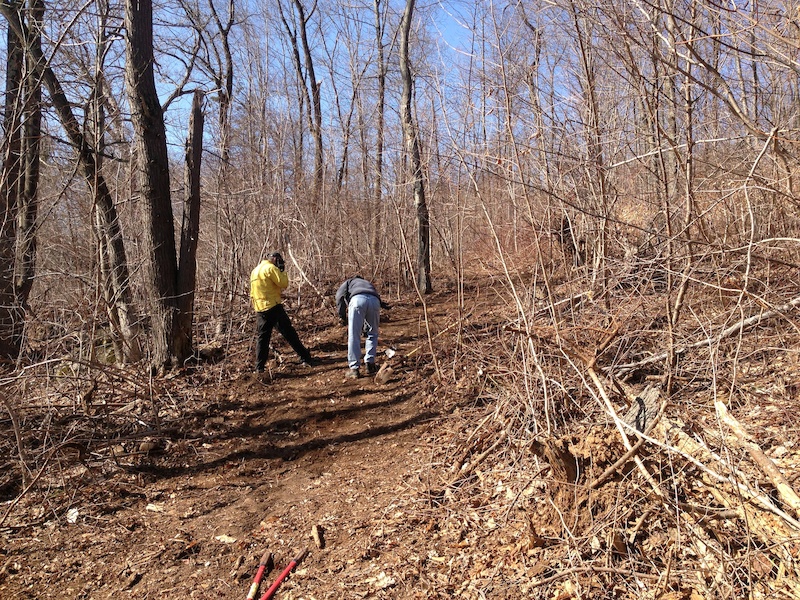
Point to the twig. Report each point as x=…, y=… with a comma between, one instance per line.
x=523, y=488
x=465, y=453
x=782, y=485
x=420, y=296
x=418, y=348
x=574, y=301
x=471, y=465
x=324, y=298
x=30, y=485
x=17, y=435
x=82, y=454
x=592, y=569
x=617, y=465
x=733, y=329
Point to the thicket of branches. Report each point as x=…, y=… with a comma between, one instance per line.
x=611, y=131
x=615, y=163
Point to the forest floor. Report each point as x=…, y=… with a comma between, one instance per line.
x=249, y=464
x=448, y=478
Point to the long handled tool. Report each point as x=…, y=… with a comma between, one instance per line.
x=292, y=564
x=266, y=561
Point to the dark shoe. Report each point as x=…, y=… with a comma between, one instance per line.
x=311, y=362
x=372, y=368
x=352, y=374
x=259, y=370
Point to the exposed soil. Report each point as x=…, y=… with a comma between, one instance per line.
x=251, y=464
x=441, y=481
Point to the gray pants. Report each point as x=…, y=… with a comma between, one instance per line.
x=363, y=314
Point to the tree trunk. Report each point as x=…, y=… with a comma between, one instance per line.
x=153, y=171
x=310, y=93
x=112, y=262
x=413, y=150
x=316, y=105
x=9, y=195
x=595, y=157
x=20, y=182
x=224, y=80
x=377, y=230
x=86, y=153
x=29, y=189
x=190, y=229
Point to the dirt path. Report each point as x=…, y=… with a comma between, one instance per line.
x=253, y=466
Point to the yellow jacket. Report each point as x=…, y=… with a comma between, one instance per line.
x=266, y=283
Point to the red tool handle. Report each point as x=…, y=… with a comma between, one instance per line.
x=262, y=565
x=274, y=587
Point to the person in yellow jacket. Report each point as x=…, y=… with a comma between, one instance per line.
x=267, y=281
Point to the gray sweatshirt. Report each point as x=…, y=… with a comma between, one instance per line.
x=352, y=287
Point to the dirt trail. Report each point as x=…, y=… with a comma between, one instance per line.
x=254, y=464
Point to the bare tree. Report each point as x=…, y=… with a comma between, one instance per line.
x=31, y=136
x=190, y=230
x=154, y=182
x=344, y=109
x=10, y=314
x=216, y=61
x=423, y=275
x=223, y=76
x=597, y=177
x=380, y=109
x=112, y=262
x=20, y=181
x=296, y=27
x=42, y=72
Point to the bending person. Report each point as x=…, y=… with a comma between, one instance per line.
x=359, y=306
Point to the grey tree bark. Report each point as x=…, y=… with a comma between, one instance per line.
x=380, y=23
x=190, y=230
x=10, y=316
x=24, y=40
x=154, y=181
x=114, y=277
x=307, y=80
x=423, y=274
x=29, y=190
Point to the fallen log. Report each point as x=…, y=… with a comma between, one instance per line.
x=707, y=549
x=622, y=370
x=787, y=494
x=771, y=526
x=674, y=439
x=645, y=410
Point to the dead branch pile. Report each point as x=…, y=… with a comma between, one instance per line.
x=619, y=458
x=72, y=421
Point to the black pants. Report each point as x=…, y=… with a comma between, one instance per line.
x=265, y=321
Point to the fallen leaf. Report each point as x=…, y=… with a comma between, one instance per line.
x=225, y=539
